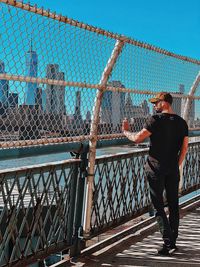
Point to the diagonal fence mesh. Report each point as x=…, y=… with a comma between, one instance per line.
x=121, y=190
x=36, y=211
x=52, y=67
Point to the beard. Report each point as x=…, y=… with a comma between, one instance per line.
x=158, y=111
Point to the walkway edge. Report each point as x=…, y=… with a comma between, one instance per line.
x=138, y=229
x=146, y=225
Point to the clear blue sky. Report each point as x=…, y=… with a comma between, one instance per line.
x=173, y=25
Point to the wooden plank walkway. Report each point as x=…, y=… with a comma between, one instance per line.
x=140, y=248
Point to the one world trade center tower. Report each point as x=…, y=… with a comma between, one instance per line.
x=31, y=71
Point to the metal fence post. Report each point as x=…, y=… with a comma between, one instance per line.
x=191, y=94
x=77, y=239
x=186, y=118
x=72, y=195
x=94, y=131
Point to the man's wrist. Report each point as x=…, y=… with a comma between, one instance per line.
x=126, y=132
x=129, y=135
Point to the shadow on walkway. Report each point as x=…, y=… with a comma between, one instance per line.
x=141, y=250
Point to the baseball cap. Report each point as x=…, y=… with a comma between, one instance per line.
x=163, y=96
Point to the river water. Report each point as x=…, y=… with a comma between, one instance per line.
x=34, y=160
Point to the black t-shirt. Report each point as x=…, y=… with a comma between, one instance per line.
x=168, y=132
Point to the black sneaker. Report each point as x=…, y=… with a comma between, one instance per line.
x=167, y=250
x=164, y=251
x=173, y=248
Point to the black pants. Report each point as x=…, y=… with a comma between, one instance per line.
x=161, y=178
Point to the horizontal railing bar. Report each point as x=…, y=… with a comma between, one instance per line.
x=28, y=151
x=39, y=150
x=99, y=159
x=195, y=130
x=75, y=23
x=73, y=139
x=193, y=188
x=122, y=155
x=194, y=133
x=19, y=152
x=35, y=167
x=21, y=78
x=43, y=141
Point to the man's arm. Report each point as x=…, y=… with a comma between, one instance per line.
x=135, y=137
x=183, y=150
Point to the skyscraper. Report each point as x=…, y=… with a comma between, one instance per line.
x=145, y=107
x=55, y=94
x=38, y=97
x=77, y=111
x=4, y=88
x=179, y=105
x=112, y=107
x=60, y=95
x=31, y=71
x=88, y=116
x=106, y=107
x=191, y=107
x=128, y=109
x=13, y=100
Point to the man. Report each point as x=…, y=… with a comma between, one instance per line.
x=168, y=134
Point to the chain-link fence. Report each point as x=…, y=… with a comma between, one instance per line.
x=61, y=80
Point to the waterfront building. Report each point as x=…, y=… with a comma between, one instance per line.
x=77, y=112
x=106, y=108
x=136, y=114
x=112, y=107
x=31, y=71
x=128, y=108
x=38, y=97
x=55, y=94
x=135, y=111
x=178, y=105
x=60, y=95
x=44, y=100
x=4, y=88
x=145, y=107
x=13, y=100
x=88, y=117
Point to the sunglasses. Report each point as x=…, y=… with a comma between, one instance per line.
x=155, y=103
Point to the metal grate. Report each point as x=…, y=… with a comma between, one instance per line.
x=191, y=170
x=120, y=189
x=36, y=207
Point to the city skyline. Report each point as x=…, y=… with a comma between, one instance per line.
x=52, y=98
